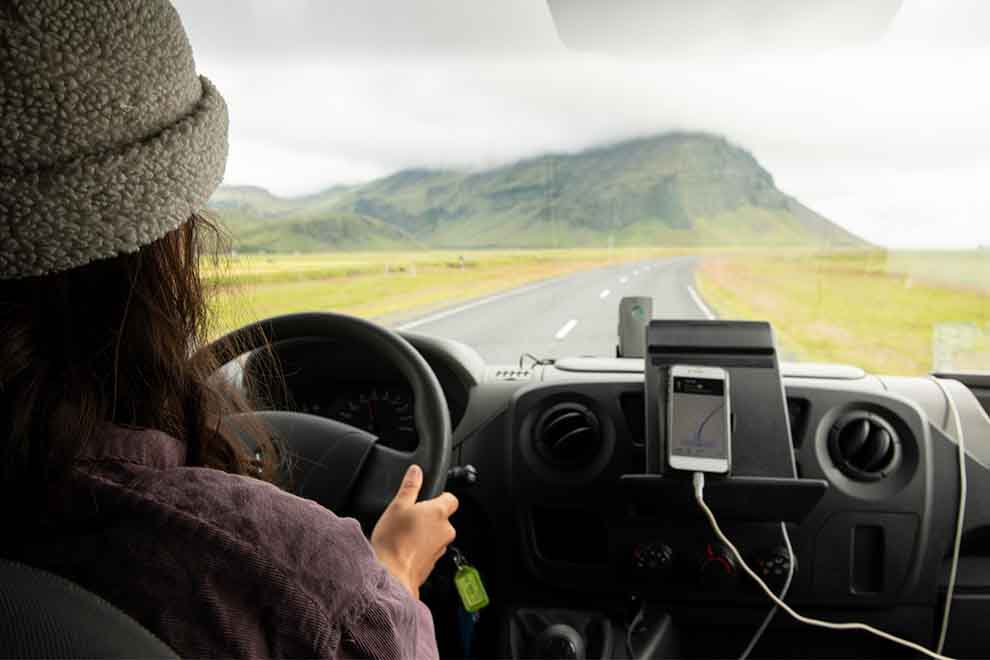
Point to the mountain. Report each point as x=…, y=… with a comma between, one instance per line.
x=671, y=189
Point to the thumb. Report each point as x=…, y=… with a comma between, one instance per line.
x=411, y=483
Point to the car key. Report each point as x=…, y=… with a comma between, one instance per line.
x=468, y=582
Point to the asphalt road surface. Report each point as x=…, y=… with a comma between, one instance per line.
x=567, y=316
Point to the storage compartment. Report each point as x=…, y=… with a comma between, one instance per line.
x=867, y=559
x=865, y=556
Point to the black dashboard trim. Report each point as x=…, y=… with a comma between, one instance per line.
x=731, y=498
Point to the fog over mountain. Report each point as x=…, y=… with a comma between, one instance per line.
x=681, y=189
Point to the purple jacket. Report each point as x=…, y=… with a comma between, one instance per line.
x=218, y=565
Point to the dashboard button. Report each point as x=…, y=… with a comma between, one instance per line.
x=717, y=568
x=772, y=564
x=654, y=559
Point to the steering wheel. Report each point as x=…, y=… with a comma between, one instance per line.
x=342, y=467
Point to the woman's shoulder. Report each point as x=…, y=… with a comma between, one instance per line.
x=321, y=568
x=212, y=511
x=295, y=536
x=201, y=540
x=278, y=540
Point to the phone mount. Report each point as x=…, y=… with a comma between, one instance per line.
x=761, y=438
x=763, y=484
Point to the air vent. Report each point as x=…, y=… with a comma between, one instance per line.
x=568, y=435
x=864, y=446
x=513, y=374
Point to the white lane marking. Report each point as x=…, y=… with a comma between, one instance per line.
x=463, y=308
x=565, y=329
x=700, y=303
x=623, y=280
x=604, y=294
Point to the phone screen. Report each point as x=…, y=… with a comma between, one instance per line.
x=698, y=419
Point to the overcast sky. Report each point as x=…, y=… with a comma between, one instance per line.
x=890, y=140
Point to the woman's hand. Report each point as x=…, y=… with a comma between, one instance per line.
x=411, y=536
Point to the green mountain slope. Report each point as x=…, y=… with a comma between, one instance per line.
x=672, y=189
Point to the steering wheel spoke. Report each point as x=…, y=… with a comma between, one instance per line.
x=378, y=482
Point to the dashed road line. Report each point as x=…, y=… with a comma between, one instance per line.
x=463, y=308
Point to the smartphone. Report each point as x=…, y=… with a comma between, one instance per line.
x=698, y=428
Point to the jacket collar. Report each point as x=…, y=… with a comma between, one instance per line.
x=147, y=447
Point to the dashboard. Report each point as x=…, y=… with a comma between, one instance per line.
x=382, y=409
x=572, y=537
x=347, y=384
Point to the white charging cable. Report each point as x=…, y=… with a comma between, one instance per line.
x=699, y=487
x=783, y=594
x=631, y=630
x=960, y=514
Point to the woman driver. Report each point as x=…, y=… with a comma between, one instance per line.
x=113, y=471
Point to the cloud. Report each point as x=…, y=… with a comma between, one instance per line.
x=263, y=29
x=891, y=140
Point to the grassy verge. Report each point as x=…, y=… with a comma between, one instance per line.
x=882, y=311
x=386, y=285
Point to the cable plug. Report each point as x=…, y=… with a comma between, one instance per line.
x=698, y=479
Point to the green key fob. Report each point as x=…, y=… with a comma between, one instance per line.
x=469, y=585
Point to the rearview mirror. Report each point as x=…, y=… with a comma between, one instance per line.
x=729, y=26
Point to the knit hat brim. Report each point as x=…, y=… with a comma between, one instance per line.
x=113, y=202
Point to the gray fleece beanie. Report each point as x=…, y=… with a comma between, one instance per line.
x=108, y=138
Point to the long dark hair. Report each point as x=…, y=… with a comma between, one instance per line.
x=120, y=341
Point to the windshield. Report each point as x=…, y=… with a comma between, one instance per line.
x=490, y=173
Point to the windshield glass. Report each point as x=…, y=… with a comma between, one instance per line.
x=487, y=172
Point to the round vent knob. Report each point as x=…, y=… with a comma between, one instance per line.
x=568, y=436
x=864, y=446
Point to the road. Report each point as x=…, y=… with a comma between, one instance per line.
x=566, y=316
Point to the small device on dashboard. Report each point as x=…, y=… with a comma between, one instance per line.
x=699, y=430
x=635, y=313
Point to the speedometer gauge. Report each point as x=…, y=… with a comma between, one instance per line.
x=386, y=412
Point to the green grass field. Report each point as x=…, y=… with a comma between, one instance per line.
x=882, y=311
x=385, y=285
x=888, y=312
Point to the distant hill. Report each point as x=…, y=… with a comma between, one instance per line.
x=674, y=189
